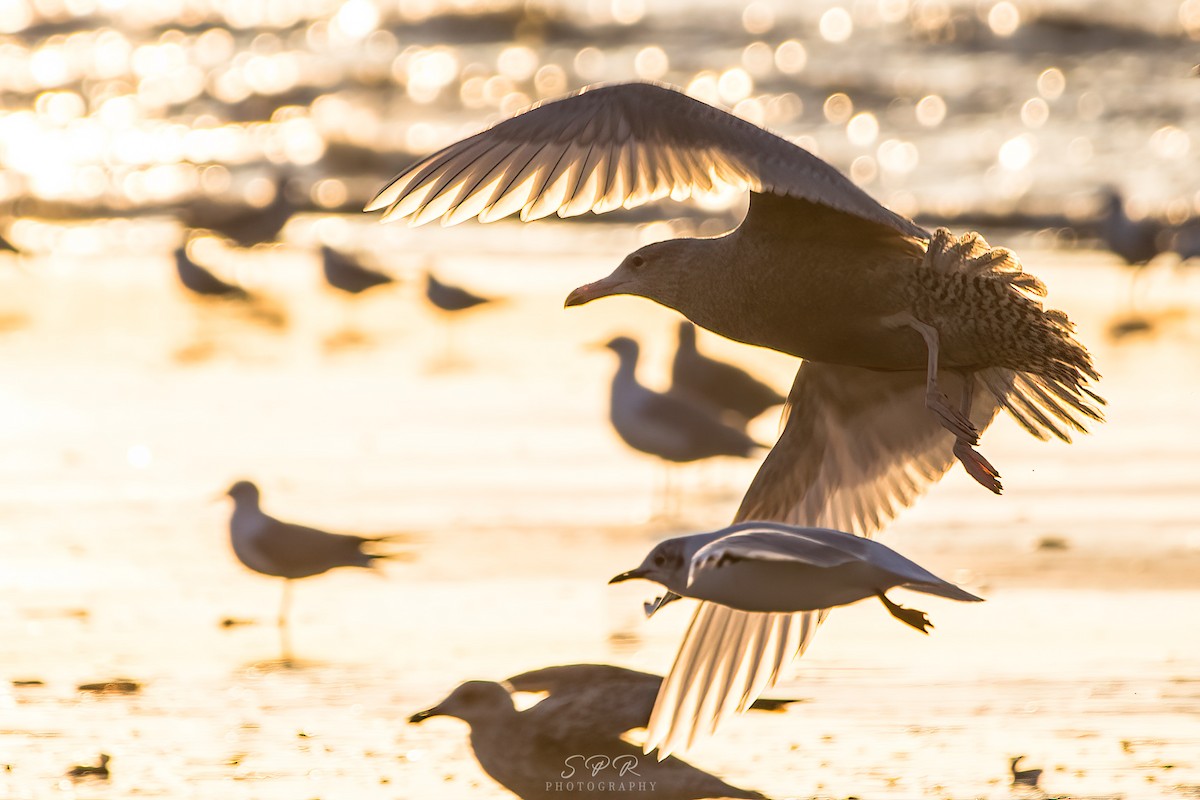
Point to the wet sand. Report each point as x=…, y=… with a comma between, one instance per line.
x=126, y=410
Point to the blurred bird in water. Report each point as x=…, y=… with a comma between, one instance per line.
x=345, y=273
x=911, y=340
x=243, y=224
x=1023, y=777
x=724, y=386
x=668, y=426
x=200, y=281
x=92, y=770
x=284, y=550
x=573, y=737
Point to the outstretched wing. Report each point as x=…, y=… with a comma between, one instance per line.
x=615, y=146
x=857, y=447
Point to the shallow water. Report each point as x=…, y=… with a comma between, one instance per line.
x=128, y=410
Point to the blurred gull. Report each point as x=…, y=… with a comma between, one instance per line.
x=773, y=567
x=669, y=426
x=99, y=770
x=284, y=550
x=1134, y=240
x=892, y=322
x=243, y=224
x=665, y=425
x=199, y=280
x=450, y=298
x=345, y=273
x=570, y=739
x=1023, y=777
x=722, y=385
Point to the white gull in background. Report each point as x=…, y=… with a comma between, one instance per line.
x=284, y=550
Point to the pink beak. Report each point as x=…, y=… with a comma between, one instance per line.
x=593, y=291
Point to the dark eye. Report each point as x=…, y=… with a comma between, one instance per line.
x=659, y=560
x=636, y=261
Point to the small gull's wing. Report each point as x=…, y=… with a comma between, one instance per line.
x=857, y=447
x=770, y=544
x=615, y=146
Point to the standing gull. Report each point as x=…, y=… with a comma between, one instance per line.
x=200, y=281
x=450, y=298
x=570, y=739
x=284, y=550
x=666, y=425
x=892, y=322
x=346, y=274
x=723, y=385
x=242, y=224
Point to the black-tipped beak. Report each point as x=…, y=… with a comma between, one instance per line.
x=421, y=716
x=627, y=576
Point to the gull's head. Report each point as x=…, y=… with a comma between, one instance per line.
x=653, y=272
x=625, y=348
x=244, y=492
x=471, y=702
x=667, y=564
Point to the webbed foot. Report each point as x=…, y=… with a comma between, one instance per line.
x=977, y=466
x=909, y=616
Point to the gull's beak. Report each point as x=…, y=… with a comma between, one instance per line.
x=421, y=716
x=604, y=287
x=628, y=576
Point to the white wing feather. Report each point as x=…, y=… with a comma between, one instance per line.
x=857, y=448
x=617, y=146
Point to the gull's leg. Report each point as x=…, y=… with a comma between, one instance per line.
x=935, y=400
x=285, y=639
x=975, y=464
x=909, y=616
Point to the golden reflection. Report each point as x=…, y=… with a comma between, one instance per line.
x=758, y=18
x=836, y=25
x=1004, y=18
x=930, y=111
x=838, y=108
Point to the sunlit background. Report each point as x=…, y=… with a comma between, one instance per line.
x=130, y=128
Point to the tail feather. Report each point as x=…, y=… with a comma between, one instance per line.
x=1043, y=406
x=944, y=589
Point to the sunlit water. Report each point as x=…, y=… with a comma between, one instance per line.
x=126, y=409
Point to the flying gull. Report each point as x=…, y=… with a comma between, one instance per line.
x=772, y=567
